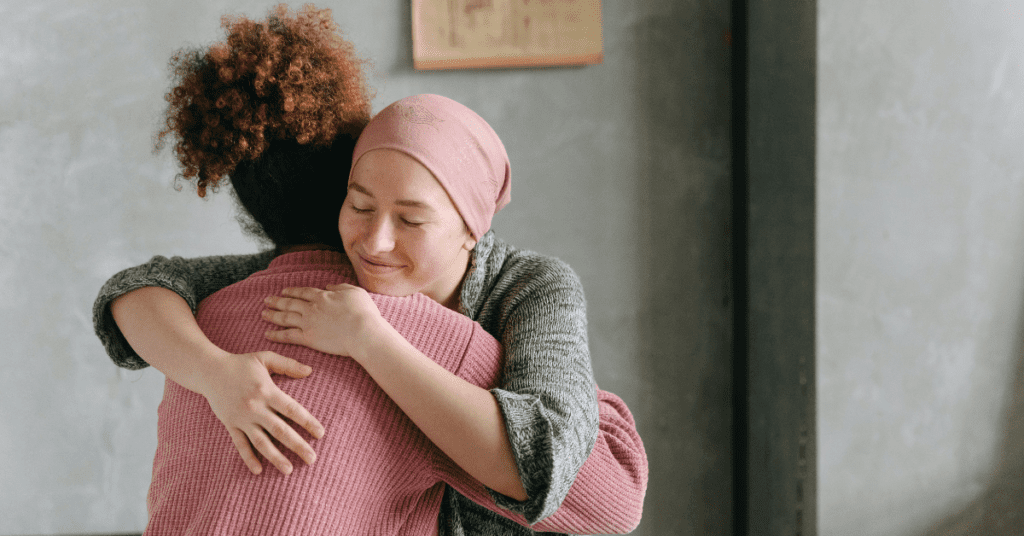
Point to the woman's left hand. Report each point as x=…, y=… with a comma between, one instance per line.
x=338, y=320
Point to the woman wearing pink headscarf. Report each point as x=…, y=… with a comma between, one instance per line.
x=428, y=175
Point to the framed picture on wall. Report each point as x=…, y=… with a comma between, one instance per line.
x=465, y=34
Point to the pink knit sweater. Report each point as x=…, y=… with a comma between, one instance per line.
x=375, y=473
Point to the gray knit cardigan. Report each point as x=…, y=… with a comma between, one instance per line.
x=532, y=303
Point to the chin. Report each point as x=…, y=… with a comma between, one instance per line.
x=387, y=289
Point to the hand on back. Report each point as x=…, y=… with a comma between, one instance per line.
x=336, y=321
x=253, y=408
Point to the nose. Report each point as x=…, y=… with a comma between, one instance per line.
x=380, y=237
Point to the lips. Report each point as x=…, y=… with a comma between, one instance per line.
x=375, y=266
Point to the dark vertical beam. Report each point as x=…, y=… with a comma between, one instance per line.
x=780, y=165
x=740, y=198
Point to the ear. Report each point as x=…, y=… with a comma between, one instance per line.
x=470, y=242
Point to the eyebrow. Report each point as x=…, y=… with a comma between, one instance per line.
x=403, y=202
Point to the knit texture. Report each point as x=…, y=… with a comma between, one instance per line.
x=376, y=473
x=607, y=496
x=192, y=279
x=535, y=306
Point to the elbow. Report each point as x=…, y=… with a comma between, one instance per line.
x=631, y=503
x=631, y=518
x=507, y=480
x=514, y=490
x=607, y=496
x=627, y=518
x=636, y=492
x=625, y=481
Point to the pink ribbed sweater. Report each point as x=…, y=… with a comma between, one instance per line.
x=375, y=473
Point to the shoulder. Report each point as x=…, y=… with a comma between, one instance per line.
x=524, y=269
x=505, y=279
x=269, y=273
x=258, y=260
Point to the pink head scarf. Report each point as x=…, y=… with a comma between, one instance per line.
x=455, y=144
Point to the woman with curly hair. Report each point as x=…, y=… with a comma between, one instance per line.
x=255, y=109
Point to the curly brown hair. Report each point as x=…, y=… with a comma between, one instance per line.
x=291, y=77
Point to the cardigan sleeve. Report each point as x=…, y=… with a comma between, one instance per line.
x=547, y=396
x=608, y=494
x=193, y=279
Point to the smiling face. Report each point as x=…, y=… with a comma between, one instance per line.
x=401, y=231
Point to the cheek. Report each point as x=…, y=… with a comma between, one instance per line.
x=347, y=226
x=413, y=251
x=434, y=256
x=347, y=221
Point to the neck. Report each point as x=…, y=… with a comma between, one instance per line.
x=455, y=298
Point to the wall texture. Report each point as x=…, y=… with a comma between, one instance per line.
x=621, y=169
x=920, y=248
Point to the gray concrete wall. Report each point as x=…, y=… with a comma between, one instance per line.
x=621, y=169
x=920, y=255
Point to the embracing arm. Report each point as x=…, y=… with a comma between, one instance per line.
x=193, y=279
x=159, y=326
x=546, y=395
x=144, y=316
x=462, y=419
x=537, y=310
x=534, y=434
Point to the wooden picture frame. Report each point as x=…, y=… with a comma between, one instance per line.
x=464, y=34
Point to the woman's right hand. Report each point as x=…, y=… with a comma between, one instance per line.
x=253, y=408
x=159, y=326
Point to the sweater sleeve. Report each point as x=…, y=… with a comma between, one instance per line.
x=608, y=493
x=193, y=279
x=547, y=396
x=607, y=496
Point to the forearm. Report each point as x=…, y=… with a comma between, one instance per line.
x=192, y=279
x=159, y=326
x=462, y=420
